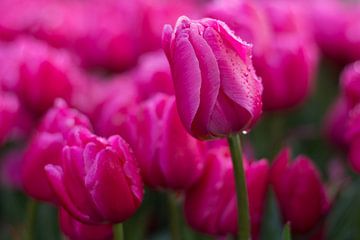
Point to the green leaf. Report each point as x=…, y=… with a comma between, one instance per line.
x=271, y=226
x=286, y=235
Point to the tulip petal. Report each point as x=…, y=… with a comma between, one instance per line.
x=55, y=176
x=187, y=79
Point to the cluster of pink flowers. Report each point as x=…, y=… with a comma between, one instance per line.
x=106, y=97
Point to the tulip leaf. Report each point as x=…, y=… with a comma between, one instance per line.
x=286, y=232
x=271, y=225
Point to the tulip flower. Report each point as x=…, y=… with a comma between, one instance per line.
x=38, y=73
x=168, y=156
x=353, y=137
x=336, y=122
x=9, y=108
x=210, y=205
x=350, y=83
x=288, y=66
x=45, y=147
x=217, y=90
x=76, y=230
x=299, y=191
x=98, y=180
x=153, y=75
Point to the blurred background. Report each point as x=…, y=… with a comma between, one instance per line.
x=104, y=56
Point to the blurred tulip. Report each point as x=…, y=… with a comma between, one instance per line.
x=353, y=137
x=153, y=75
x=210, y=205
x=76, y=230
x=288, y=67
x=350, y=83
x=336, y=123
x=98, y=180
x=45, y=147
x=9, y=110
x=168, y=156
x=38, y=73
x=336, y=26
x=217, y=90
x=299, y=191
x=120, y=96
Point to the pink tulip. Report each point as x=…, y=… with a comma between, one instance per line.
x=38, y=73
x=336, y=123
x=9, y=109
x=98, y=180
x=299, y=191
x=350, y=83
x=288, y=67
x=353, y=137
x=336, y=27
x=153, y=75
x=217, y=90
x=76, y=230
x=119, y=97
x=45, y=147
x=168, y=156
x=210, y=205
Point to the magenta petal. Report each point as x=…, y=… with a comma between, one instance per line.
x=187, y=79
x=115, y=204
x=166, y=39
x=210, y=84
x=56, y=178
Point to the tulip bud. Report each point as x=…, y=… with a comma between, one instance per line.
x=9, y=108
x=289, y=65
x=350, y=83
x=211, y=206
x=98, y=180
x=168, y=156
x=153, y=75
x=299, y=191
x=46, y=148
x=39, y=74
x=336, y=123
x=353, y=137
x=76, y=230
x=217, y=90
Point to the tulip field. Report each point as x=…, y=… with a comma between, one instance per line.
x=180, y=120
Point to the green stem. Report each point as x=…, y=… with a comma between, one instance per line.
x=241, y=189
x=118, y=232
x=174, y=217
x=30, y=219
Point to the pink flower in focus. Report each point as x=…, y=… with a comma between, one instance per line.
x=76, y=230
x=217, y=90
x=299, y=191
x=168, y=156
x=9, y=109
x=210, y=205
x=45, y=147
x=98, y=180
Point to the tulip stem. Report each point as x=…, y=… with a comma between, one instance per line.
x=241, y=189
x=30, y=219
x=119, y=232
x=174, y=217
